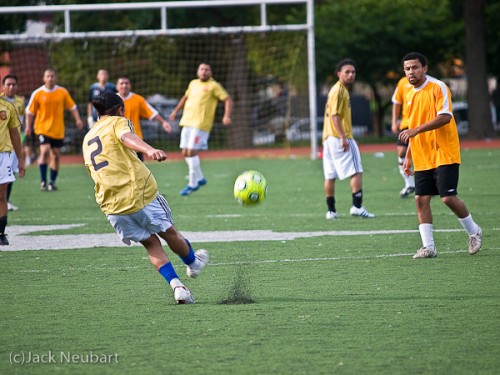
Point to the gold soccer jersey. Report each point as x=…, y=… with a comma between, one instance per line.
x=338, y=103
x=8, y=120
x=48, y=108
x=123, y=184
x=136, y=107
x=437, y=147
x=201, y=103
x=398, y=97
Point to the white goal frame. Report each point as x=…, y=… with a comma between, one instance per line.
x=163, y=7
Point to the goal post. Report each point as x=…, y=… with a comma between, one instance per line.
x=268, y=69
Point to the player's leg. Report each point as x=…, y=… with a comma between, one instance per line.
x=55, y=160
x=193, y=140
x=6, y=176
x=447, y=183
x=330, y=175
x=425, y=188
x=409, y=181
x=43, y=161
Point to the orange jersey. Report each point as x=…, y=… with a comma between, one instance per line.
x=136, y=107
x=338, y=103
x=398, y=97
x=48, y=108
x=437, y=147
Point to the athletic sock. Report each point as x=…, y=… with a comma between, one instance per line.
x=357, y=199
x=3, y=224
x=53, y=175
x=193, y=182
x=426, y=235
x=330, y=202
x=43, y=172
x=190, y=258
x=469, y=225
x=198, y=174
x=168, y=272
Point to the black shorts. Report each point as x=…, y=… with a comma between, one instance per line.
x=54, y=143
x=442, y=181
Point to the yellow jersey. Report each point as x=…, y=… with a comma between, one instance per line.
x=136, y=107
x=338, y=103
x=8, y=120
x=123, y=184
x=18, y=103
x=48, y=108
x=437, y=147
x=201, y=103
x=399, y=98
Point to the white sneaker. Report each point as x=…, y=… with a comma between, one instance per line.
x=475, y=241
x=406, y=191
x=11, y=207
x=183, y=296
x=330, y=215
x=361, y=212
x=425, y=252
x=202, y=256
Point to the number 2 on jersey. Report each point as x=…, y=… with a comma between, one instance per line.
x=95, y=153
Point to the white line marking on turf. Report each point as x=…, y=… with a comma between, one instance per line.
x=20, y=239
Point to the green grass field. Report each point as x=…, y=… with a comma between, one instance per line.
x=330, y=297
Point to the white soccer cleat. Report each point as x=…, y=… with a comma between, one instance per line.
x=331, y=215
x=406, y=191
x=425, y=252
x=202, y=256
x=361, y=212
x=475, y=241
x=183, y=296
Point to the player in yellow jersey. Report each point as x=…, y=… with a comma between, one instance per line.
x=46, y=110
x=136, y=107
x=399, y=110
x=199, y=104
x=341, y=157
x=9, y=87
x=434, y=150
x=127, y=193
x=10, y=140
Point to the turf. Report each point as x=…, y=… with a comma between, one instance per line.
x=343, y=304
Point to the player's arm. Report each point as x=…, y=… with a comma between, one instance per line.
x=132, y=141
x=396, y=112
x=179, y=106
x=76, y=115
x=337, y=123
x=15, y=138
x=90, y=118
x=438, y=121
x=228, y=108
x=29, y=123
x=407, y=162
x=163, y=123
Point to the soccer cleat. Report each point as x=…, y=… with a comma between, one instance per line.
x=475, y=241
x=3, y=240
x=52, y=186
x=406, y=191
x=202, y=256
x=188, y=190
x=43, y=186
x=183, y=296
x=330, y=215
x=202, y=182
x=12, y=207
x=425, y=252
x=361, y=212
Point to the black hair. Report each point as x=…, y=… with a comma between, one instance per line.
x=345, y=62
x=108, y=104
x=414, y=56
x=14, y=77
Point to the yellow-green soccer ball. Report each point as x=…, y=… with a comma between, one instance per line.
x=250, y=188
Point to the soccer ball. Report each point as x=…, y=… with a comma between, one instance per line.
x=250, y=188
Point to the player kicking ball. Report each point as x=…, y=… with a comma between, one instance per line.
x=127, y=193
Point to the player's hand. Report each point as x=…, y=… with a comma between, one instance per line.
x=79, y=124
x=345, y=144
x=395, y=128
x=21, y=168
x=156, y=154
x=172, y=116
x=226, y=120
x=405, y=135
x=166, y=127
x=407, y=167
x=27, y=131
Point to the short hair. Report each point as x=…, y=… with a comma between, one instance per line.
x=108, y=103
x=123, y=76
x=414, y=56
x=345, y=62
x=11, y=76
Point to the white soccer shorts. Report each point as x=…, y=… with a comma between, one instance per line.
x=6, y=170
x=340, y=164
x=194, y=139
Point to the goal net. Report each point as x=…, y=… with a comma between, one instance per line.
x=265, y=74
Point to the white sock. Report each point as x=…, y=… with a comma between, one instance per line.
x=193, y=182
x=197, y=168
x=469, y=225
x=426, y=235
x=175, y=283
